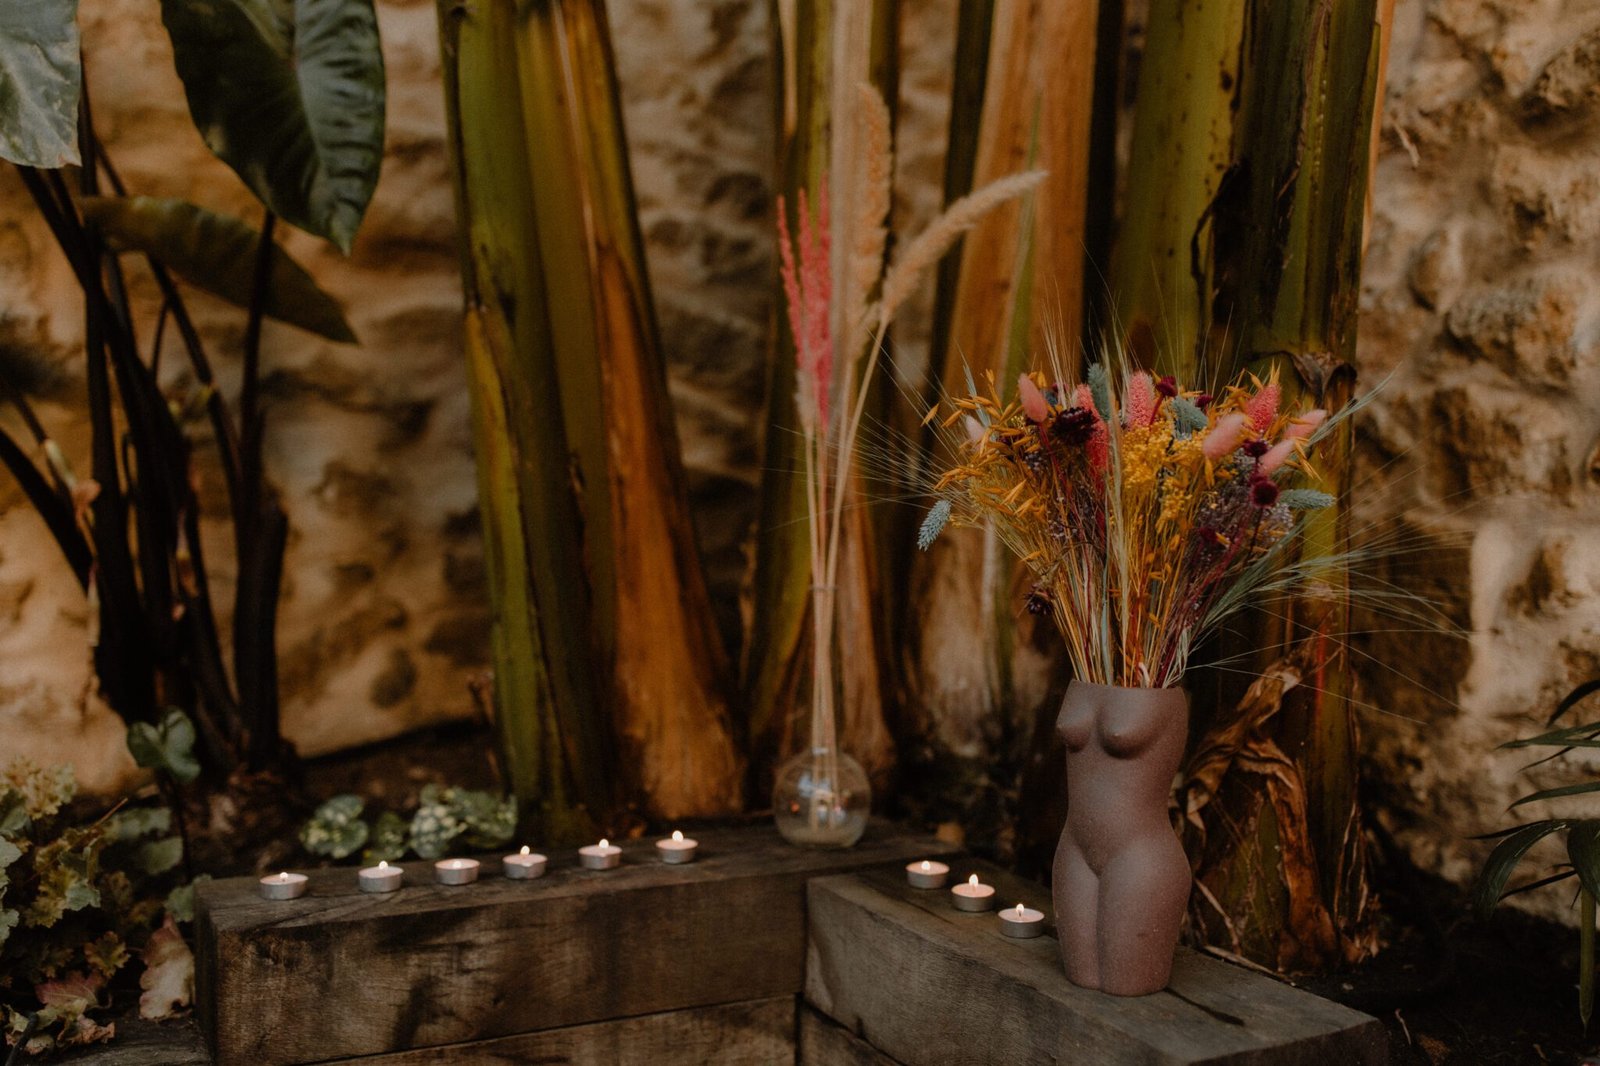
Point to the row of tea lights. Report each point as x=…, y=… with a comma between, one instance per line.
x=523, y=866
x=974, y=896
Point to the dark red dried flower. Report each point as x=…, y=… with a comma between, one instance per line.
x=1168, y=386
x=1073, y=426
x=1208, y=536
x=1255, y=449
x=1038, y=601
x=1203, y=400
x=1263, y=492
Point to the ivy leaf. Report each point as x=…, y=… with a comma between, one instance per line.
x=106, y=955
x=291, y=96
x=336, y=828
x=388, y=840
x=42, y=792
x=435, y=826
x=168, y=978
x=167, y=747
x=135, y=823
x=180, y=901
x=8, y=921
x=487, y=820
x=9, y=853
x=158, y=856
x=40, y=79
x=933, y=524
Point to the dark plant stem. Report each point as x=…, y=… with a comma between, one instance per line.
x=13, y=1059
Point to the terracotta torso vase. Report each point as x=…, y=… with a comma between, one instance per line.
x=1121, y=879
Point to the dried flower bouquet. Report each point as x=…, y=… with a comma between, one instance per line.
x=1148, y=513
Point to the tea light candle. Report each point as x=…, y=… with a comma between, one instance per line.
x=927, y=874
x=973, y=896
x=601, y=856
x=284, y=886
x=679, y=849
x=524, y=866
x=455, y=871
x=1021, y=922
x=380, y=878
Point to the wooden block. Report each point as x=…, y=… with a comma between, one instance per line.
x=928, y=985
x=341, y=973
x=758, y=1033
x=142, y=1043
x=826, y=1043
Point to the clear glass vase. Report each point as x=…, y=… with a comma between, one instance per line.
x=821, y=797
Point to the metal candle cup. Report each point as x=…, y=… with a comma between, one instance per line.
x=973, y=896
x=602, y=856
x=927, y=874
x=524, y=866
x=284, y=886
x=1021, y=922
x=380, y=878
x=678, y=848
x=455, y=871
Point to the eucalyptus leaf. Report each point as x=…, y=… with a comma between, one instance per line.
x=217, y=253
x=291, y=96
x=41, y=78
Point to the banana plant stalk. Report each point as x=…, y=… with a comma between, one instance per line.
x=611, y=682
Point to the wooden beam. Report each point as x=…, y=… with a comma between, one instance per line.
x=342, y=973
x=826, y=1043
x=757, y=1033
x=970, y=983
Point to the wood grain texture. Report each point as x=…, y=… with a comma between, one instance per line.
x=142, y=1043
x=923, y=981
x=824, y=1042
x=342, y=973
x=758, y=1033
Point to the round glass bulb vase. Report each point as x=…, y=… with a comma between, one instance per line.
x=821, y=798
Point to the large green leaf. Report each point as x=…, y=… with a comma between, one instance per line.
x=1497, y=870
x=290, y=94
x=217, y=253
x=40, y=79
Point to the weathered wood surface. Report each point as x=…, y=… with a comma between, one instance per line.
x=928, y=985
x=342, y=973
x=142, y=1043
x=758, y=1033
x=826, y=1043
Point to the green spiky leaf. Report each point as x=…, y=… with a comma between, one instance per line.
x=1497, y=869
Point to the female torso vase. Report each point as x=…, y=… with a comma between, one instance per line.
x=1121, y=879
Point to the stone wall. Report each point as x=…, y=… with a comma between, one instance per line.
x=1481, y=300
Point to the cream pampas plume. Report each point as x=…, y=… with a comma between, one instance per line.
x=931, y=244
x=870, y=186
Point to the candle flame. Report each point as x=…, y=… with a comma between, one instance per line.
x=283, y=875
x=973, y=880
x=382, y=864
x=925, y=866
x=525, y=849
x=1019, y=910
x=677, y=836
x=604, y=843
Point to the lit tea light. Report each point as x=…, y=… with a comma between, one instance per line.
x=602, y=856
x=677, y=849
x=455, y=871
x=1021, y=922
x=380, y=878
x=927, y=874
x=973, y=895
x=284, y=886
x=523, y=866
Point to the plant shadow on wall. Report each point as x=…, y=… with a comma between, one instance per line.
x=292, y=99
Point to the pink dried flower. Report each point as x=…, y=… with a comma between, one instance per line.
x=1099, y=445
x=1263, y=407
x=1141, y=400
x=1277, y=455
x=1303, y=427
x=807, y=289
x=974, y=428
x=1033, y=401
x=1224, y=436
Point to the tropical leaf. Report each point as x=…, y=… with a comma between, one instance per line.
x=40, y=79
x=1559, y=793
x=291, y=96
x=1574, y=697
x=1572, y=736
x=1583, y=847
x=1503, y=860
x=217, y=253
